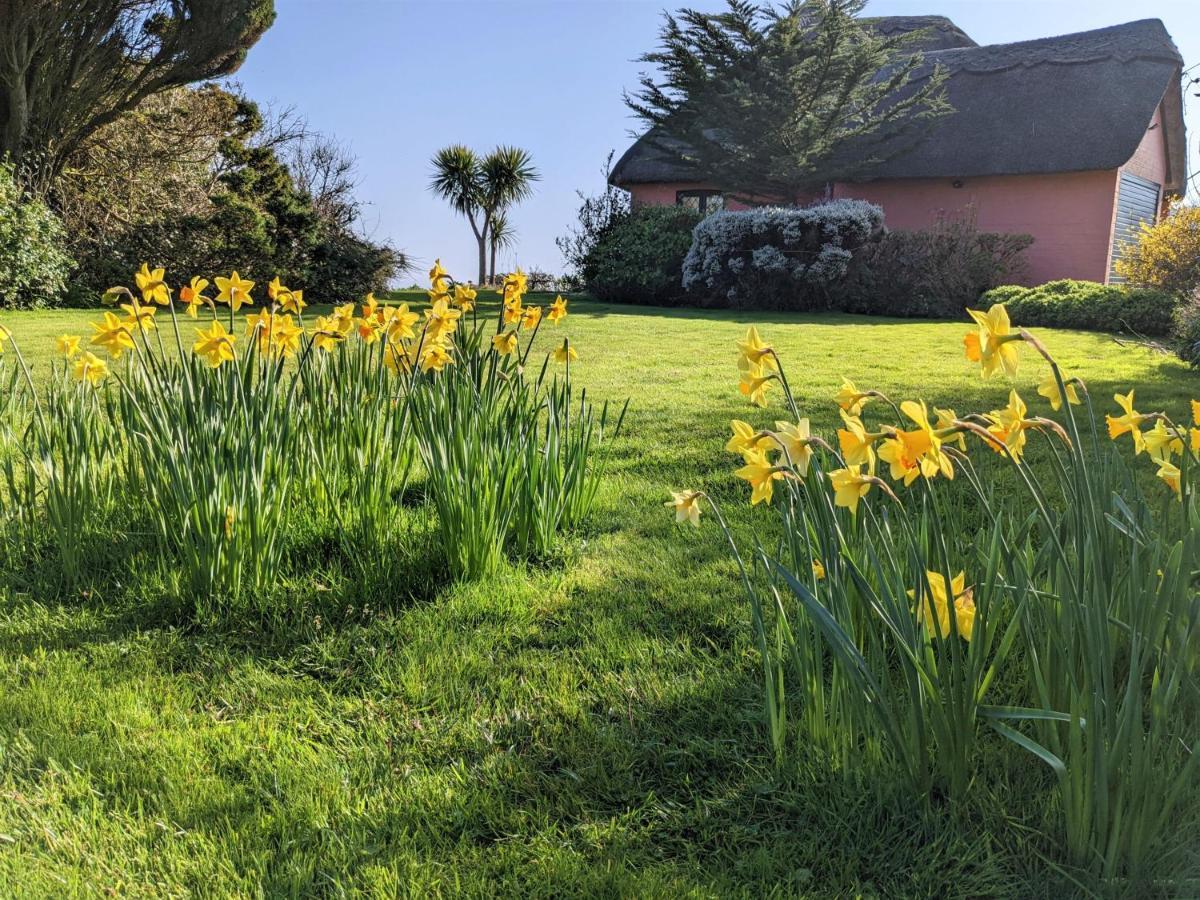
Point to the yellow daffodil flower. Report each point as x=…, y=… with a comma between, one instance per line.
x=934, y=607
x=851, y=399
x=274, y=289
x=761, y=474
x=1196, y=413
x=369, y=328
x=192, y=295
x=558, y=312
x=753, y=354
x=292, y=302
x=67, y=344
x=435, y=357
x=138, y=317
x=905, y=452
x=850, y=485
x=1009, y=426
x=514, y=287
x=856, y=442
x=437, y=273
x=215, y=345
x=464, y=297
x=371, y=310
x=5, y=335
x=513, y=311
x=152, y=286
x=941, y=463
x=285, y=337
x=505, y=343
x=1171, y=477
x=89, y=367
x=950, y=433
x=113, y=335
x=566, y=353
x=400, y=322
x=259, y=328
x=1162, y=442
x=1127, y=423
x=753, y=385
x=327, y=334
x=687, y=507
x=234, y=291
x=818, y=570
x=744, y=437
x=1049, y=389
x=794, y=440
x=531, y=318
x=398, y=358
x=343, y=317
x=994, y=346
x=1195, y=433
x=442, y=320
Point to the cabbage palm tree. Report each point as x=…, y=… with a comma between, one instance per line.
x=501, y=236
x=480, y=188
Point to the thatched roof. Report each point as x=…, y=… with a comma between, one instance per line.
x=1078, y=102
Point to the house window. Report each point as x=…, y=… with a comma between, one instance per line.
x=703, y=202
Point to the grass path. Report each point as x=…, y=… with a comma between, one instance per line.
x=581, y=729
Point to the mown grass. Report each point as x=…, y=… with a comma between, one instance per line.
x=590, y=726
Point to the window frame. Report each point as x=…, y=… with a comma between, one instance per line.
x=703, y=196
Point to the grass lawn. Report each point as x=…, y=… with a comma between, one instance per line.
x=590, y=727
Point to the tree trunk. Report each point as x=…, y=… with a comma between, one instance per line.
x=482, y=258
x=492, y=274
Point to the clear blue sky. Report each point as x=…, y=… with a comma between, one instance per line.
x=397, y=79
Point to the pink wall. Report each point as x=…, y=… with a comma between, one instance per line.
x=1150, y=159
x=1069, y=214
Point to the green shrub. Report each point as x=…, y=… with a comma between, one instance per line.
x=936, y=272
x=33, y=262
x=1090, y=306
x=639, y=256
x=1187, y=333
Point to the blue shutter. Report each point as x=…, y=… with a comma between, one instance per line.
x=1137, y=202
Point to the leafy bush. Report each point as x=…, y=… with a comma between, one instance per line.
x=638, y=257
x=933, y=273
x=1187, y=334
x=1167, y=254
x=784, y=258
x=1090, y=306
x=33, y=262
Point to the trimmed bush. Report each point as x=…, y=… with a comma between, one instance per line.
x=777, y=258
x=1090, y=306
x=34, y=263
x=638, y=258
x=934, y=273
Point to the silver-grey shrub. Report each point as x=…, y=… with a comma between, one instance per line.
x=775, y=256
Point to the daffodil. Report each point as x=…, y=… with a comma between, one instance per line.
x=950, y=432
x=292, y=302
x=754, y=384
x=754, y=354
x=905, y=452
x=1049, y=389
x=343, y=317
x=274, y=289
x=1162, y=442
x=259, y=329
x=435, y=357
x=566, y=353
x=850, y=485
x=327, y=335
x=744, y=437
x=113, y=335
x=138, y=317
x=1196, y=413
x=89, y=367
x=285, y=337
x=933, y=455
x=851, y=399
x=399, y=358
x=67, y=344
x=215, y=345
x=234, y=291
x=513, y=311
x=399, y=322
x=933, y=610
x=794, y=440
x=372, y=310
x=994, y=345
x=1171, y=476
x=192, y=295
x=1195, y=434
x=856, y=443
x=369, y=328
x=762, y=475
x=442, y=319
x=558, y=311
x=152, y=286
x=5, y=335
x=438, y=279
x=464, y=297
x=818, y=570
x=1128, y=422
x=686, y=505
x=514, y=287
x=1008, y=427
x=532, y=317
x=505, y=342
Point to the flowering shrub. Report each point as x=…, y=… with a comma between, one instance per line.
x=214, y=438
x=896, y=618
x=1166, y=254
x=782, y=257
x=33, y=260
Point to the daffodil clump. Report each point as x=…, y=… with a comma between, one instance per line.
x=917, y=588
x=224, y=410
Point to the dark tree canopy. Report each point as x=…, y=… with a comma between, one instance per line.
x=770, y=102
x=68, y=67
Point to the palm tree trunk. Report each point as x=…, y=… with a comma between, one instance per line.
x=482, y=258
x=492, y=275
